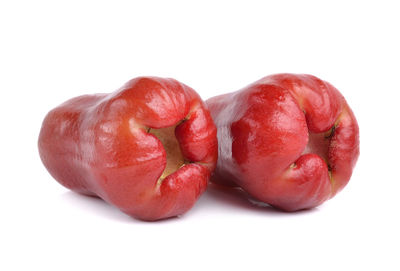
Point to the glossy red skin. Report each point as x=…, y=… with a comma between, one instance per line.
x=272, y=141
x=99, y=145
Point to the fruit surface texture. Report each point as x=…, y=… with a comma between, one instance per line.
x=148, y=148
x=289, y=140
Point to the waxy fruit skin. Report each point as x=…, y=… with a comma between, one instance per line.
x=102, y=145
x=289, y=140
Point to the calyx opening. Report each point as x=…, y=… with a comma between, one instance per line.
x=175, y=158
x=318, y=143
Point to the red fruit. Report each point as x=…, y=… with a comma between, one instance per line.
x=288, y=140
x=147, y=148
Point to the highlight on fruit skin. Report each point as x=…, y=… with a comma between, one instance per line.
x=289, y=140
x=148, y=148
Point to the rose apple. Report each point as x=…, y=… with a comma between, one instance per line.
x=288, y=140
x=147, y=148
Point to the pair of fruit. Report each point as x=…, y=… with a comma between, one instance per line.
x=150, y=147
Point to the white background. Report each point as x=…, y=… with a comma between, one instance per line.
x=51, y=51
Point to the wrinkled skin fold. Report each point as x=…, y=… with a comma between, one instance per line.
x=106, y=145
x=289, y=140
